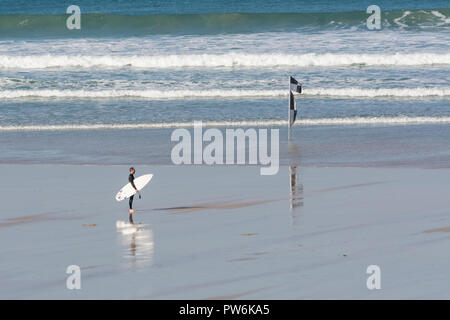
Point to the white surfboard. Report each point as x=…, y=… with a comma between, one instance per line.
x=128, y=190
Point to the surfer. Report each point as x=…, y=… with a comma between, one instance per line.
x=131, y=180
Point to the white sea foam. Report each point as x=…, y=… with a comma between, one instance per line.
x=221, y=60
x=404, y=15
x=224, y=93
x=148, y=94
x=444, y=19
x=400, y=120
x=382, y=92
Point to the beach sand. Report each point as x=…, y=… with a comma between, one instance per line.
x=225, y=232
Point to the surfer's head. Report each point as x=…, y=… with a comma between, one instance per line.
x=132, y=171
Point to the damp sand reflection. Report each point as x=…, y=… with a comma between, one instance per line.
x=137, y=244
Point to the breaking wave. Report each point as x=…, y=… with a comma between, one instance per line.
x=95, y=24
x=262, y=123
x=225, y=93
x=235, y=60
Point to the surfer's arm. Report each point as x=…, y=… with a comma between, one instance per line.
x=131, y=180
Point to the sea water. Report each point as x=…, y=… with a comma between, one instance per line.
x=137, y=69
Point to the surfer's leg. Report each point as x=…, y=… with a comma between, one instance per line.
x=130, y=202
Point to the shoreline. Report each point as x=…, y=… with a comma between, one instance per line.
x=424, y=146
x=278, y=124
x=349, y=166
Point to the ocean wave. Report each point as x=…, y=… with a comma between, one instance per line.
x=96, y=24
x=401, y=120
x=225, y=93
x=234, y=60
x=146, y=94
x=382, y=92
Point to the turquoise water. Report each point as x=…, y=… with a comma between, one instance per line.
x=145, y=7
x=166, y=63
x=129, y=23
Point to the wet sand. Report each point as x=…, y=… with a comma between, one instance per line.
x=225, y=232
x=217, y=205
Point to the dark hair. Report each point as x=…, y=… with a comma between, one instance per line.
x=132, y=169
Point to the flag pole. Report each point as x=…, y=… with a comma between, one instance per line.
x=289, y=110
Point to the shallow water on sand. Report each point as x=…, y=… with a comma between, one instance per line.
x=424, y=146
x=304, y=233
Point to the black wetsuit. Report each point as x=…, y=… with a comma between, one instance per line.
x=131, y=180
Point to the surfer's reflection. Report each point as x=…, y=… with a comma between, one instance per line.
x=296, y=192
x=137, y=243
